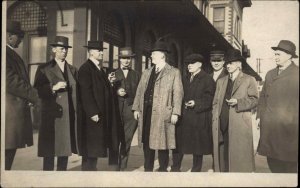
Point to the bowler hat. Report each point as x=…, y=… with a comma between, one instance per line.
x=14, y=27
x=217, y=55
x=95, y=45
x=160, y=46
x=234, y=55
x=61, y=41
x=286, y=46
x=192, y=58
x=126, y=52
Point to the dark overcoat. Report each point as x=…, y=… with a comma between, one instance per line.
x=278, y=111
x=98, y=97
x=167, y=100
x=18, y=125
x=57, y=135
x=194, y=132
x=240, y=149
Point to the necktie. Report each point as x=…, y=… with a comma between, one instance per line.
x=279, y=71
x=157, y=70
x=192, y=77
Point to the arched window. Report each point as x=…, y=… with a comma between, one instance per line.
x=148, y=42
x=113, y=40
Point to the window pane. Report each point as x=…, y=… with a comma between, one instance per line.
x=106, y=55
x=143, y=63
x=116, y=57
x=219, y=13
x=219, y=26
x=38, y=49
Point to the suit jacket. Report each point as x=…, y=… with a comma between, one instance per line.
x=129, y=83
x=278, y=111
x=18, y=126
x=57, y=130
x=241, y=151
x=167, y=100
x=98, y=97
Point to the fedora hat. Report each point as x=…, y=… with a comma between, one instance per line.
x=160, y=46
x=14, y=27
x=61, y=41
x=126, y=52
x=233, y=55
x=192, y=58
x=94, y=45
x=217, y=55
x=286, y=46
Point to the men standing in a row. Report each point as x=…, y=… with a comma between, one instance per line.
x=194, y=133
x=56, y=82
x=19, y=93
x=126, y=84
x=217, y=63
x=100, y=119
x=157, y=106
x=278, y=112
x=236, y=95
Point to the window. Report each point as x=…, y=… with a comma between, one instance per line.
x=148, y=42
x=219, y=19
x=237, y=28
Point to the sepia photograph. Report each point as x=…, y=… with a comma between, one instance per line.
x=149, y=93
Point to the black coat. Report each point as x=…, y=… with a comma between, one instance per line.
x=57, y=135
x=194, y=133
x=18, y=126
x=97, y=96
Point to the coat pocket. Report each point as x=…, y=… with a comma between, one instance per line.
x=168, y=113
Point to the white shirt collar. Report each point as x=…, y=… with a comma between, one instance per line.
x=217, y=73
x=235, y=74
x=9, y=46
x=160, y=66
x=95, y=61
x=61, y=64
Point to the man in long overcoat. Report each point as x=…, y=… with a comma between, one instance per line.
x=157, y=105
x=56, y=82
x=194, y=133
x=126, y=84
x=236, y=95
x=19, y=95
x=100, y=128
x=278, y=111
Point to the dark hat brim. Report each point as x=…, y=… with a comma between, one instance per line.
x=286, y=51
x=91, y=47
x=235, y=59
x=132, y=55
x=54, y=45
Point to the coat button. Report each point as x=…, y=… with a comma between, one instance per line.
x=59, y=96
x=60, y=109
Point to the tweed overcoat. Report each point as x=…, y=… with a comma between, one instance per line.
x=278, y=111
x=194, y=132
x=167, y=100
x=19, y=92
x=241, y=151
x=56, y=131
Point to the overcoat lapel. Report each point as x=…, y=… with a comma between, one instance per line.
x=237, y=82
x=222, y=92
x=164, y=72
x=56, y=70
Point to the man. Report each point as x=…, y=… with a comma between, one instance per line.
x=156, y=106
x=100, y=118
x=217, y=63
x=236, y=95
x=194, y=134
x=126, y=84
x=56, y=82
x=278, y=111
x=19, y=96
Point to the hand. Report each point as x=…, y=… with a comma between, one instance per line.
x=174, y=119
x=112, y=77
x=231, y=102
x=121, y=92
x=136, y=115
x=95, y=118
x=190, y=103
x=59, y=85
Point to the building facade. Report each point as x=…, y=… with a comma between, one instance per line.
x=187, y=26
